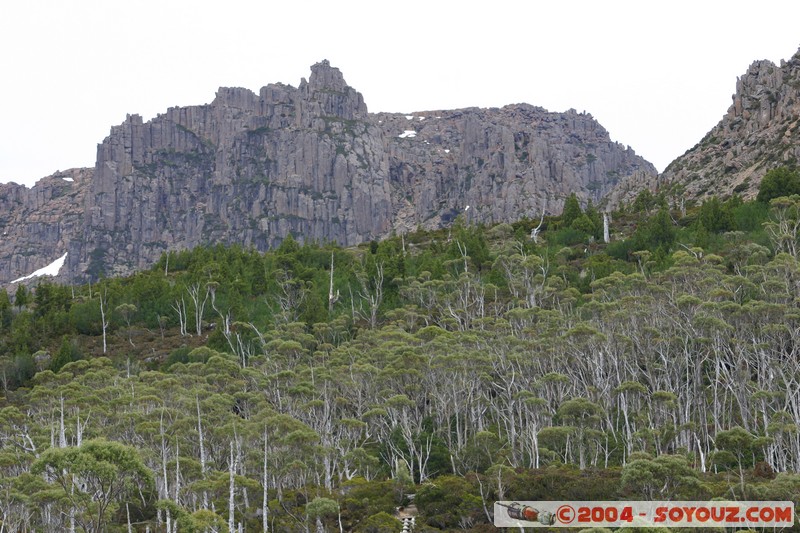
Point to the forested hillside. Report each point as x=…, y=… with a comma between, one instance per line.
x=316, y=387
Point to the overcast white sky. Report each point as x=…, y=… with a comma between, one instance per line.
x=656, y=74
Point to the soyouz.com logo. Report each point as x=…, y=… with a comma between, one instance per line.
x=643, y=513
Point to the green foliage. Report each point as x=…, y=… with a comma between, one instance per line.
x=364, y=499
x=566, y=237
x=322, y=508
x=23, y=334
x=85, y=317
x=595, y=218
x=572, y=210
x=657, y=233
x=644, y=202
x=178, y=355
x=584, y=224
x=21, y=371
x=780, y=181
x=199, y=521
x=21, y=296
x=665, y=477
x=448, y=501
x=380, y=523
x=557, y=482
x=68, y=353
x=621, y=250
x=715, y=216
x=6, y=313
x=749, y=216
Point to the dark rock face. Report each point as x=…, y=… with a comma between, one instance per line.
x=311, y=161
x=760, y=130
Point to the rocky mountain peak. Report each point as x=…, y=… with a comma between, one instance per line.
x=325, y=77
x=236, y=97
x=327, y=88
x=308, y=161
x=759, y=131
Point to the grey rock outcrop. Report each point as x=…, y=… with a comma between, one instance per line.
x=37, y=224
x=311, y=161
x=503, y=163
x=760, y=130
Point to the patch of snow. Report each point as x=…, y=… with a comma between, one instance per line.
x=446, y=151
x=422, y=118
x=466, y=208
x=437, y=117
x=380, y=122
x=408, y=134
x=67, y=179
x=409, y=117
x=50, y=270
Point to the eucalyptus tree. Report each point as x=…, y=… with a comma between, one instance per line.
x=322, y=510
x=425, y=293
x=664, y=477
x=408, y=441
x=291, y=296
x=127, y=311
x=370, y=292
x=455, y=384
x=630, y=400
x=508, y=379
x=96, y=478
x=584, y=416
x=105, y=316
x=464, y=300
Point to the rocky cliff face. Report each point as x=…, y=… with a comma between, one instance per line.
x=761, y=130
x=503, y=163
x=310, y=161
x=38, y=224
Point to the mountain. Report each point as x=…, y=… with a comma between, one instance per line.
x=310, y=161
x=760, y=130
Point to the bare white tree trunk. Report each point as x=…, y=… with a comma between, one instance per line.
x=463, y=250
x=80, y=427
x=231, y=490
x=332, y=298
x=606, y=234
x=199, y=305
x=164, y=461
x=373, y=297
x=180, y=308
x=265, y=500
x=105, y=321
x=202, y=451
x=72, y=514
x=241, y=468
x=702, y=455
x=164, y=492
x=62, y=437
x=535, y=231
x=177, y=474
